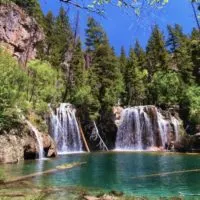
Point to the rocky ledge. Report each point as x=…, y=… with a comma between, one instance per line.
x=20, y=144
x=188, y=143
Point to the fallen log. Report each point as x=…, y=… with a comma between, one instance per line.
x=83, y=137
x=50, y=171
x=167, y=173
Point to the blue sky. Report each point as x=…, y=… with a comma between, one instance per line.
x=124, y=29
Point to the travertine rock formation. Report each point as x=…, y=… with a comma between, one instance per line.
x=16, y=146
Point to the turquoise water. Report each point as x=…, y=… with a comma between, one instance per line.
x=120, y=171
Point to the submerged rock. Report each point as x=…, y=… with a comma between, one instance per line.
x=104, y=197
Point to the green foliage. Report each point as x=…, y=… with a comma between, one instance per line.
x=123, y=60
x=163, y=74
x=136, y=5
x=108, y=77
x=26, y=91
x=45, y=85
x=181, y=60
x=166, y=86
x=156, y=52
x=141, y=56
x=76, y=75
x=12, y=86
x=59, y=38
x=175, y=37
x=191, y=99
x=195, y=54
x=134, y=81
x=94, y=34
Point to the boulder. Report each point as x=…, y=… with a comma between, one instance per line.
x=188, y=143
x=196, y=142
x=49, y=146
x=184, y=144
x=19, y=33
x=31, y=149
x=117, y=111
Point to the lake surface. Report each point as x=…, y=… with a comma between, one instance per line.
x=127, y=172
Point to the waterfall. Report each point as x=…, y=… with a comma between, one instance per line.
x=144, y=128
x=38, y=137
x=163, y=128
x=176, y=125
x=65, y=129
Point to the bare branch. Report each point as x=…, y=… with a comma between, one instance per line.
x=75, y=4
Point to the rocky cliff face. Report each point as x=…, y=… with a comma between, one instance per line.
x=19, y=33
x=21, y=144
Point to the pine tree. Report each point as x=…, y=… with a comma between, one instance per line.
x=94, y=34
x=184, y=64
x=122, y=60
x=45, y=47
x=195, y=53
x=59, y=38
x=181, y=57
x=140, y=53
x=134, y=81
x=175, y=37
x=156, y=53
x=106, y=76
x=107, y=85
x=62, y=38
x=105, y=79
x=106, y=67
x=76, y=72
x=78, y=88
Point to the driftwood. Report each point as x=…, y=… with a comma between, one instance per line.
x=95, y=136
x=58, y=168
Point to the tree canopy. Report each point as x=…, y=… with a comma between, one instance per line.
x=95, y=79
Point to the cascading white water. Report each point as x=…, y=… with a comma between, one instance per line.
x=38, y=137
x=176, y=125
x=65, y=129
x=163, y=126
x=142, y=128
x=138, y=137
x=150, y=129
